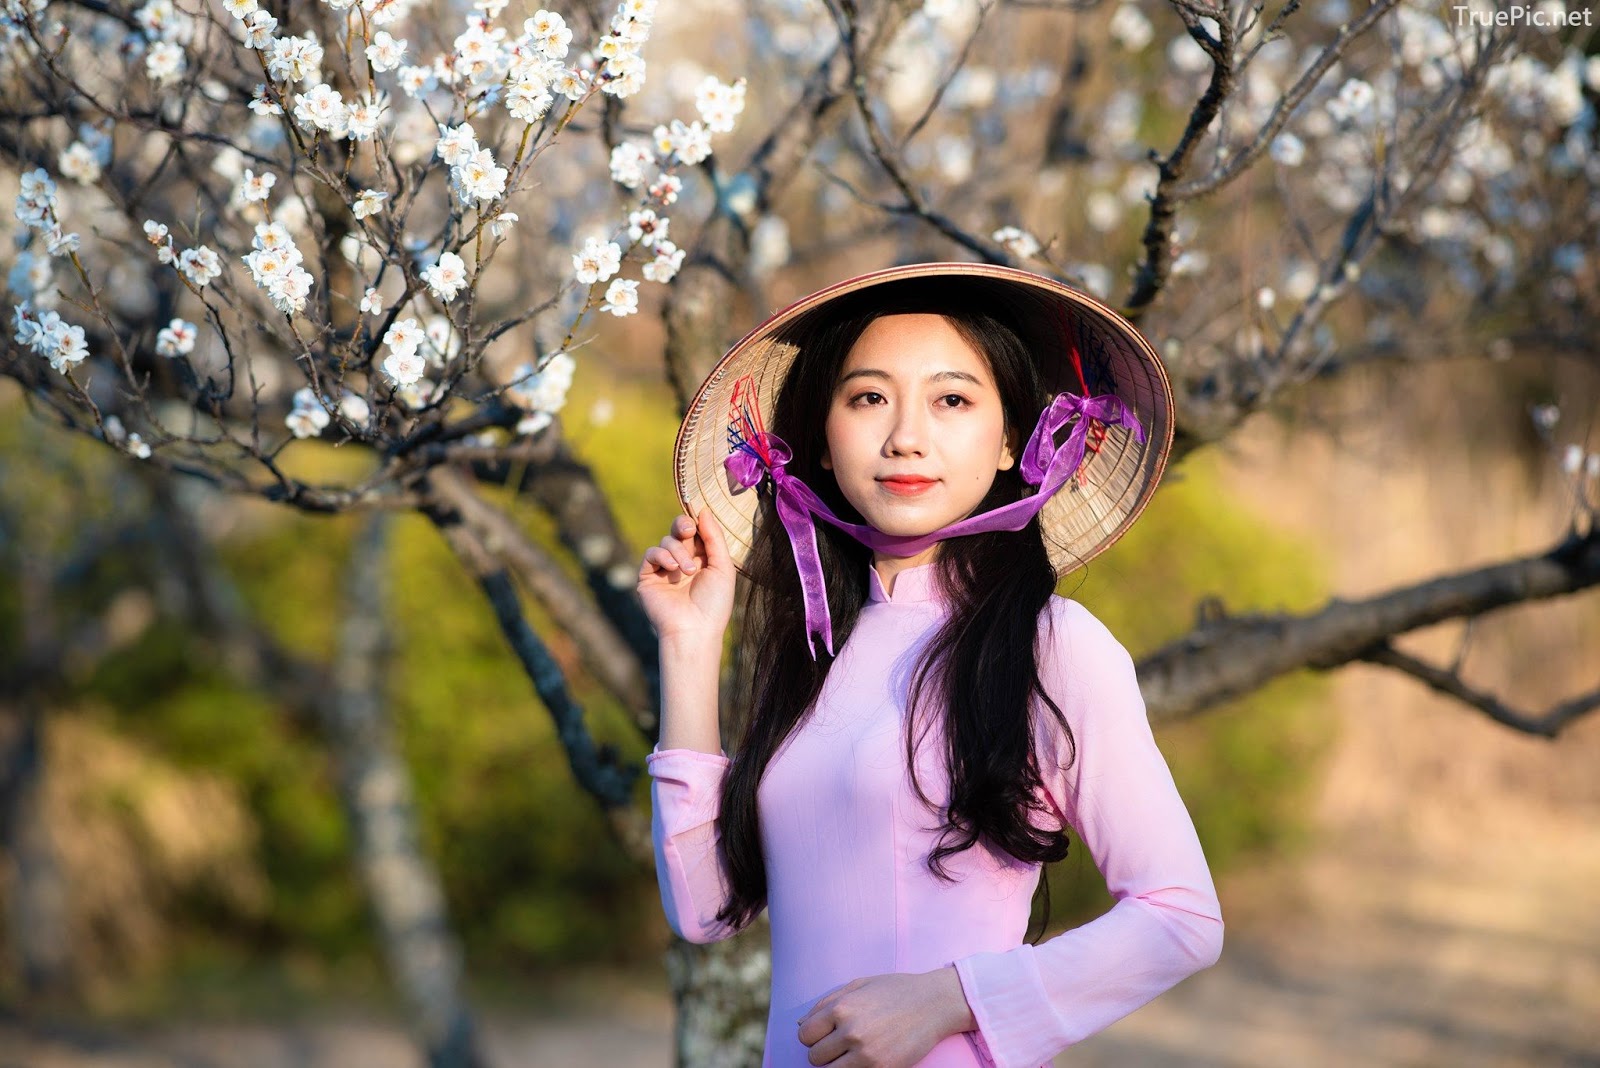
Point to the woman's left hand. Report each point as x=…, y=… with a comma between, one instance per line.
x=884, y=1021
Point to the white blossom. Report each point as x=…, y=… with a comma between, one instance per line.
x=414, y=81
x=477, y=51
x=52, y=337
x=1354, y=101
x=597, y=261
x=456, y=143
x=200, y=265
x=690, y=143
x=371, y=302
x=368, y=203
x=419, y=394
x=443, y=340
x=478, y=178
x=1017, y=241
x=262, y=104
x=322, y=108
x=628, y=161
x=573, y=84
x=719, y=105
x=769, y=245
x=624, y=76
x=363, y=116
x=385, y=53
x=447, y=277
x=295, y=59
x=30, y=277
x=664, y=267
x=501, y=224
x=664, y=190
x=307, y=418
x=354, y=407
x=549, y=33
x=256, y=187
x=1572, y=459
x=274, y=235
x=176, y=338
x=1129, y=28
x=645, y=227
x=403, y=336
x=528, y=100
x=544, y=389
x=622, y=297
x=79, y=162
x=259, y=27
x=405, y=366
x=164, y=63
x=1288, y=149
x=289, y=295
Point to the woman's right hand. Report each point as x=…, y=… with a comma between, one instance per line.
x=686, y=582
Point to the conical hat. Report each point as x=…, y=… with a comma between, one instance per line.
x=1081, y=521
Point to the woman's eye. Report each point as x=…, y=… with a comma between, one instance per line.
x=960, y=401
x=863, y=396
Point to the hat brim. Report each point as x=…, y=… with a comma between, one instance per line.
x=1079, y=522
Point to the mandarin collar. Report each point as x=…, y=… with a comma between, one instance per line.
x=914, y=584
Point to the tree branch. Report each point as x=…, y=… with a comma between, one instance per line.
x=1227, y=656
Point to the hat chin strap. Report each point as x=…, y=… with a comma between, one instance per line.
x=1045, y=465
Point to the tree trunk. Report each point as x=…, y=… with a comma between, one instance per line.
x=36, y=889
x=721, y=992
x=375, y=788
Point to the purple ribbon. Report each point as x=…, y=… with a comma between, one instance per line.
x=1045, y=465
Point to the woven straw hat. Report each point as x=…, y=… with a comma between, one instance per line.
x=1117, y=477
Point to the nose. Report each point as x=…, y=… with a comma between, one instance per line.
x=908, y=436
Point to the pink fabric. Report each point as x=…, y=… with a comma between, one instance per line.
x=846, y=840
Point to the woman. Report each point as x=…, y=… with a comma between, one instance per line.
x=928, y=719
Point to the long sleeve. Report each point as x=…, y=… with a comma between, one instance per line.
x=685, y=796
x=1032, y=1002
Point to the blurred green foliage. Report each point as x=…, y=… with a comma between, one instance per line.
x=1246, y=769
x=532, y=876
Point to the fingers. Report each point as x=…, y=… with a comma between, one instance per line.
x=711, y=537
x=687, y=547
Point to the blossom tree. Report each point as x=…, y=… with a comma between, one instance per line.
x=241, y=233
x=237, y=233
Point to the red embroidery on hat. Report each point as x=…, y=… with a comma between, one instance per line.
x=746, y=430
x=1100, y=368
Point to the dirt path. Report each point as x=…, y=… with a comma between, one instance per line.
x=1354, y=958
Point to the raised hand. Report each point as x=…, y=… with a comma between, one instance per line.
x=686, y=582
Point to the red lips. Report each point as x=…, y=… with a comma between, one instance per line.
x=907, y=485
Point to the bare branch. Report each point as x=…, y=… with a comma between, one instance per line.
x=604, y=651
x=1546, y=724
x=597, y=768
x=1227, y=656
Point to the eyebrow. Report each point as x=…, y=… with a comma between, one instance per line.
x=938, y=376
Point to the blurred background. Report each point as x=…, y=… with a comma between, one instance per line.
x=1376, y=393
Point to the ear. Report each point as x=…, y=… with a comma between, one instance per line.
x=826, y=461
x=1008, y=458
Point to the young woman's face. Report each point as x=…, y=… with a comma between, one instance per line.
x=916, y=430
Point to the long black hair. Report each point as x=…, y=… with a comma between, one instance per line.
x=982, y=659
